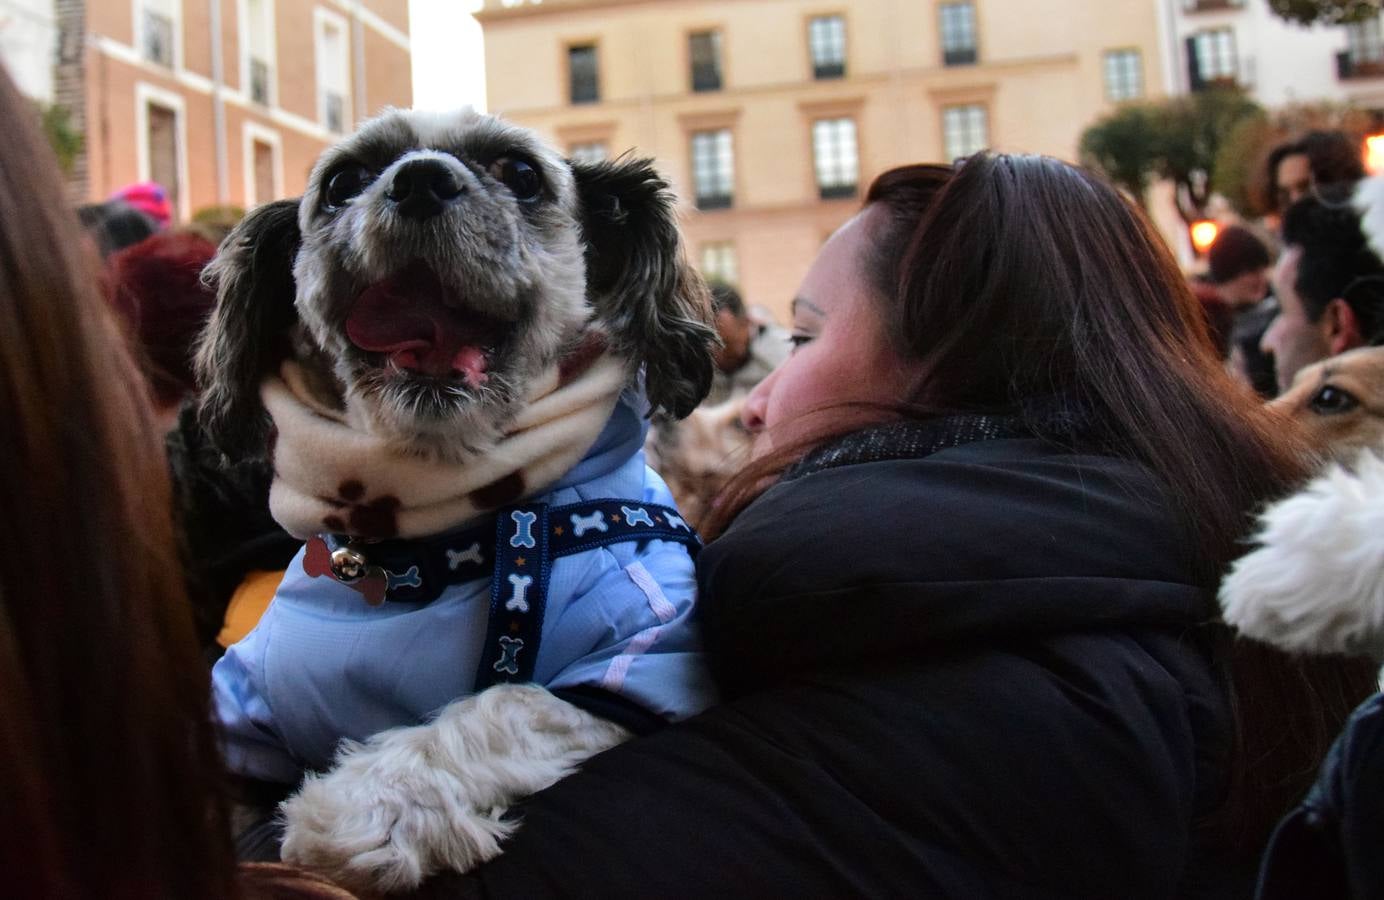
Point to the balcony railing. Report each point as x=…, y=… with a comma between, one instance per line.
x=1196, y=6
x=959, y=56
x=1351, y=66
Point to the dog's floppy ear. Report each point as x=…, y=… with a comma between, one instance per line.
x=642, y=288
x=247, y=334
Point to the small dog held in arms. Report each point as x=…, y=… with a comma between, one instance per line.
x=449, y=348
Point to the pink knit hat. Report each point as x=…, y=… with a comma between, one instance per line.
x=149, y=198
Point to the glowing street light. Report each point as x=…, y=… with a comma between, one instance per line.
x=1204, y=233
x=1374, y=154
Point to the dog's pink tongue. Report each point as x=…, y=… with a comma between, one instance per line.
x=416, y=334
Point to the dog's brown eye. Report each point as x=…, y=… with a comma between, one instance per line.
x=1330, y=401
x=344, y=184
x=519, y=176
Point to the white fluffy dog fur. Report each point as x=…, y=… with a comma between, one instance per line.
x=1316, y=582
x=413, y=801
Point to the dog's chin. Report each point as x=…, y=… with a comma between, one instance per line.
x=439, y=416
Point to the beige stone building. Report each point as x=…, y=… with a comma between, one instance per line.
x=223, y=101
x=772, y=116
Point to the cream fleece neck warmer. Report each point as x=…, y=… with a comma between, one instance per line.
x=332, y=476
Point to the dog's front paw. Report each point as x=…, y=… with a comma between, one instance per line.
x=385, y=819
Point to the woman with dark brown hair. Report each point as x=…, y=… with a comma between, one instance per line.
x=963, y=607
x=111, y=783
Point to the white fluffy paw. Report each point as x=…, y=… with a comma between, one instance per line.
x=414, y=801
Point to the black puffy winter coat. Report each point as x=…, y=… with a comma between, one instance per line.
x=985, y=671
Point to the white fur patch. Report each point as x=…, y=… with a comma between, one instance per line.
x=413, y=801
x=1316, y=583
x=1369, y=201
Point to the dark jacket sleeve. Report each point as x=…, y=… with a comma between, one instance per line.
x=1012, y=772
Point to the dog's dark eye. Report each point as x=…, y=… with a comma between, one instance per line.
x=344, y=184
x=519, y=176
x=1330, y=401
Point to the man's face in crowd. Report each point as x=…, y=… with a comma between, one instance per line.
x=1292, y=179
x=735, y=334
x=1246, y=289
x=1294, y=339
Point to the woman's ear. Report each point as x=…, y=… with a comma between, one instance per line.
x=653, y=302
x=248, y=331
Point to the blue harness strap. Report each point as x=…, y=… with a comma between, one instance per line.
x=527, y=540
x=516, y=548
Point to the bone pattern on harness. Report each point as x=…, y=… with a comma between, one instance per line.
x=523, y=532
x=637, y=516
x=516, y=601
x=471, y=554
x=594, y=522
x=509, y=655
x=411, y=578
x=676, y=521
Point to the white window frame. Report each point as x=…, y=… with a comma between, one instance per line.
x=1208, y=45
x=243, y=18
x=250, y=133
x=580, y=151
x=828, y=135
x=1365, y=40
x=321, y=18
x=138, y=32
x=720, y=251
x=146, y=94
x=946, y=36
x=951, y=141
x=728, y=176
x=825, y=40
x=1112, y=64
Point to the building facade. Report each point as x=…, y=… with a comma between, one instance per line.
x=224, y=102
x=1278, y=63
x=770, y=117
x=28, y=43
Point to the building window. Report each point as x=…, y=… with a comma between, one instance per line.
x=1124, y=75
x=719, y=263
x=588, y=152
x=333, y=73
x=1364, y=54
x=582, y=81
x=966, y=130
x=258, y=44
x=705, y=50
x=1211, y=58
x=826, y=39
x=958, y=33
x=158, y=31
x=713, y=169
x=262, y=158
x=161, y=137
x=835, y=156
x=1211, y=5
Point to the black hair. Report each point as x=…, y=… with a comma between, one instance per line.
x=1331, y=155
x=723, y=296
x=1237, y=250
x=115, y=225
x=1336, y=260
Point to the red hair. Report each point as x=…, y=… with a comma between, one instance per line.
x=156, y=288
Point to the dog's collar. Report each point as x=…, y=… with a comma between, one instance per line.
x=419, y=570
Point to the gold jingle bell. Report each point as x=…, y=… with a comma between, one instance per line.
x=348, y=565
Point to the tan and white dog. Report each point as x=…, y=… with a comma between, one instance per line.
x=1340, y=402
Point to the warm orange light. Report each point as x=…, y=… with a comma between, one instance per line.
x=1374, y=154
x=1204, y=234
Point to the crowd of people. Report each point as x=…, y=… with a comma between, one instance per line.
x=966, y=528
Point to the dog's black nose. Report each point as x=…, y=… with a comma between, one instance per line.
x=423, y=188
